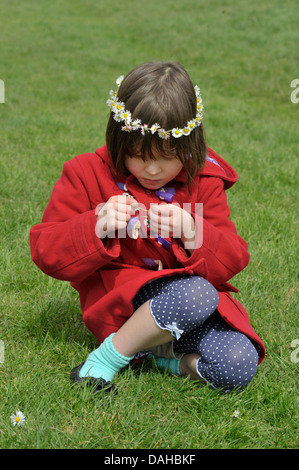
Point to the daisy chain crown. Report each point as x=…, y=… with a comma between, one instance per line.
x=120, y=114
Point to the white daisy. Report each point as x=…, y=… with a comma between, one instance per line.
x=162, y=133
x=235, y=414
x=154, y=128
x=198, y=99
x=117, y=117
x=177, y=132
x=125, y=115
x=135, y=124
x=119, y=107
x=198, y=119
x=119, y=80
x=113, y=95
x=186, y=130
x=17, y=419
x=191, y=124
x=111, y=104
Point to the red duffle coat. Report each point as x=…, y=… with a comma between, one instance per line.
x=108, y=273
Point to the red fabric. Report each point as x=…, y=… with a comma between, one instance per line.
x=108, y=273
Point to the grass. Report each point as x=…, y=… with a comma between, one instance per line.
x=58, y=61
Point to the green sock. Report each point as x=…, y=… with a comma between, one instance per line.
x=104, y=361
x=171, y=365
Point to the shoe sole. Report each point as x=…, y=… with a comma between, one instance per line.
x=97, y=385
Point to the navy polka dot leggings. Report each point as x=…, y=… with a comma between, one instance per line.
x=187, y=307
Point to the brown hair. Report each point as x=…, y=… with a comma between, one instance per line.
x=157, y=92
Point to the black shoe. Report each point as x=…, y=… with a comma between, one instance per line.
x=96, y=384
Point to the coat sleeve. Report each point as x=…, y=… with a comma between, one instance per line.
x=221, y=252
x=65, y=245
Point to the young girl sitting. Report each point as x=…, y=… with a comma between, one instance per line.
x=141, y=230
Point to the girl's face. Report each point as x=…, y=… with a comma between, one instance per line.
x=153, y=173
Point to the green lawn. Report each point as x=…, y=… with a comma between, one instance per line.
x=58, y=61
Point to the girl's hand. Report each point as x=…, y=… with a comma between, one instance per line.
x=170, y=220
x=114, y=215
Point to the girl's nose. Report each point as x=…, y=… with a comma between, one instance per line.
x=152, y=168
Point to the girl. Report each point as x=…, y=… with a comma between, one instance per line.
x=125, y=226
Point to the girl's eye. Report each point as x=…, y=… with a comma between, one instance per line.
x=140, y=156
x=134, y=154
x=170, y=156
x=170, y=153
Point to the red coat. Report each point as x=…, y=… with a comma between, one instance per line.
x=108, y=273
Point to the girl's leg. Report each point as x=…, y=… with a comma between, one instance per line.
x=218, y=354
x=177, y=306
x=140, y=332
x=188, y=366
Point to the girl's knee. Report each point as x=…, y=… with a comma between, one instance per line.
x=184, y=304
x=241, y=366
x=200, y=285
x=197, y=295
x=233, y=369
